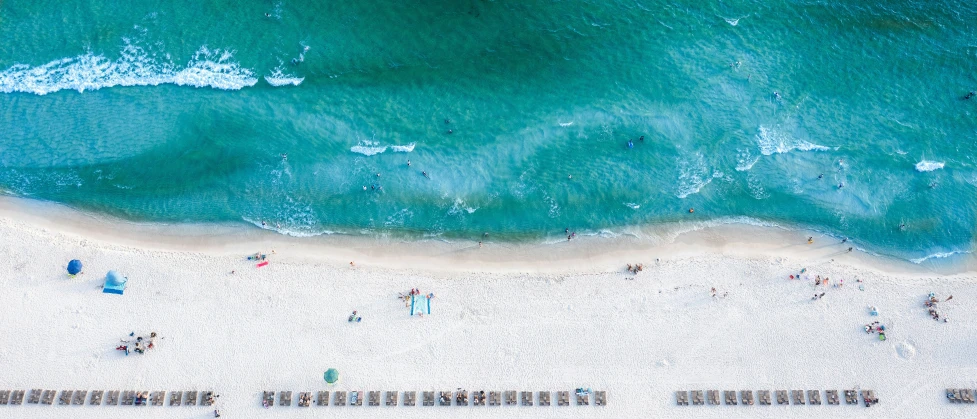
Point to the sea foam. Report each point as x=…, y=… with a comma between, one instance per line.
x=772, y=142
x=370, y=148
x=134, y=67
x=278, y=78
x=928, y=166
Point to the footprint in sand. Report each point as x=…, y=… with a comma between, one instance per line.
x=906, y=350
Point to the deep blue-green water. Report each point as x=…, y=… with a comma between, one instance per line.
x=847, y=117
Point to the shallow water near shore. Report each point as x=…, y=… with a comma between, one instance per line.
x=186, y=112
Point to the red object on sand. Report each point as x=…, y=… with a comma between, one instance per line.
x=262, y=264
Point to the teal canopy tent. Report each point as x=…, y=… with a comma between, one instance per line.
x=114, y=283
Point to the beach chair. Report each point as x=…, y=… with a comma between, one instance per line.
x=410, y=398
x=285, y=398
x=583, y=398
x=747, y=397
x=781, y=396
x=392, y=398
x=35, y=396
x=851, y=397
x=478, y=398
x=340, y=398
x=814, y=397
x=65, y=398
x=128, y=398
x=526, y=397
x=562, y=398
x=681, y=398
x=600, y=398
x=17, y=397
x=764, y=396
x=305, y=399
x=207, y=398
x=96, y=399
x=730, y=397
x=191, y=398
x=322, y=398
x=176, y=398
x=78, y=398
x=495, y=398
x=831, y=396
x=112, y=398
x=868, y=396
x=444, y=398
x=966, y=395
x=374, y=398
x=461, y=398
x=48, y=397
x=697, y=398
x=797, y=396
x=356, y=398
x=712, y=397
x=4, y=397
x=157, y=398
x=142, y=398
x=428, y=398
x=510, y=397
x=544, y=398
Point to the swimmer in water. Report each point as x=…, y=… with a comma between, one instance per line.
x=821, y=176
x=776, y=95
x=970, y=95
x=267, y=14
x=378, y=175
x=630, y=144
x=641, y=138
x=450, y=131
x=447, y=121
x=841, y=185
x=424, y=173
x=408, y=163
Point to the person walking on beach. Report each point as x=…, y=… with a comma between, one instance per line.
x=810, y=240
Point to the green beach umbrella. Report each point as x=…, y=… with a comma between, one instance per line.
x=331, y=376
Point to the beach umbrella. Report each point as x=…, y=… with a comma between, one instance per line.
x=74, y=267
x=331, y=376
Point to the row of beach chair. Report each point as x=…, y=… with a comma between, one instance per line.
x=763, y=397
x=960, y=395
x=432, y=398
x=110, y=398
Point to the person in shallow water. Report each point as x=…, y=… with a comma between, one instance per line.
x=630, y=144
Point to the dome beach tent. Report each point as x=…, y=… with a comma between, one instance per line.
x=114, y=283
x=74, y=267
x=331, y=376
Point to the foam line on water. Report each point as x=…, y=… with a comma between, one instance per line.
x=135, y=67
x=773, y=142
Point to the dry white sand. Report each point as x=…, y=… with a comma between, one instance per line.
x=505, y=317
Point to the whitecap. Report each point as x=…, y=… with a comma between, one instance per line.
x=566, y=124
x=279, y=78
x=772, y=142
x=403, y=148
x=745, y=160
x=693, y=176
x=368, y=148
x=134, y=67
x=461, y=207
x=928, y=166
x=632, y=205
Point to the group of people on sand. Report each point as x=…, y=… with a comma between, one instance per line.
x=634, y=269
x=930, y=304
x=141, y=344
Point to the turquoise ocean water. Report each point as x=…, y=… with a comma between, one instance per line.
x=182, y=111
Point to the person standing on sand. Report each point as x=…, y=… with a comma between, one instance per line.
x=810, y=240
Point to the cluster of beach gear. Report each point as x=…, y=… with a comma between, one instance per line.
x=140, y=345
x=931, y=302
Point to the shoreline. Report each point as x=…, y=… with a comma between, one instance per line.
x=583, y=254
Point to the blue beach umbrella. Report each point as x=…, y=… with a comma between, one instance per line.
x=331, y=376
x=74, y=267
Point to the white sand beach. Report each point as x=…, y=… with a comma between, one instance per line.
x=505, y=317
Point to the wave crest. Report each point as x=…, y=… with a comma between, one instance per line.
x=929, y=166
x=772, y=142
x=134, y=67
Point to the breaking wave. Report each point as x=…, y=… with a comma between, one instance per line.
x=772, y=142
x=135, y=67
x=928, y=166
